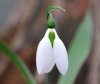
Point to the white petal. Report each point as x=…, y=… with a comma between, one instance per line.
x=44, y=55
x=61, y=56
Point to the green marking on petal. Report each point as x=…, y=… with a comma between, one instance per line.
x=51, y=38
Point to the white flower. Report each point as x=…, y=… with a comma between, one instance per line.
x=51, y=52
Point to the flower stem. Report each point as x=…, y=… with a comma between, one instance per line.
x=50, y=19
x=49, y=78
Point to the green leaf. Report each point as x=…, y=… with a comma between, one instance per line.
x=79, y=50
x=18, y=62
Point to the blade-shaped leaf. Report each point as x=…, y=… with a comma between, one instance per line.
x=18, y=62
x=79, y=49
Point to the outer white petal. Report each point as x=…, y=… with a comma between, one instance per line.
x=61, y=56
x=44, y=55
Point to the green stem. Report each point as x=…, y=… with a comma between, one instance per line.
x=49, y=78
x=18, y=62
x=50, y=19
x=52, y=8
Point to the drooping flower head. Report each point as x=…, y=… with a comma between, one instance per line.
x=51, y=49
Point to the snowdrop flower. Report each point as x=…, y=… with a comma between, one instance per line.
x=51, y=51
